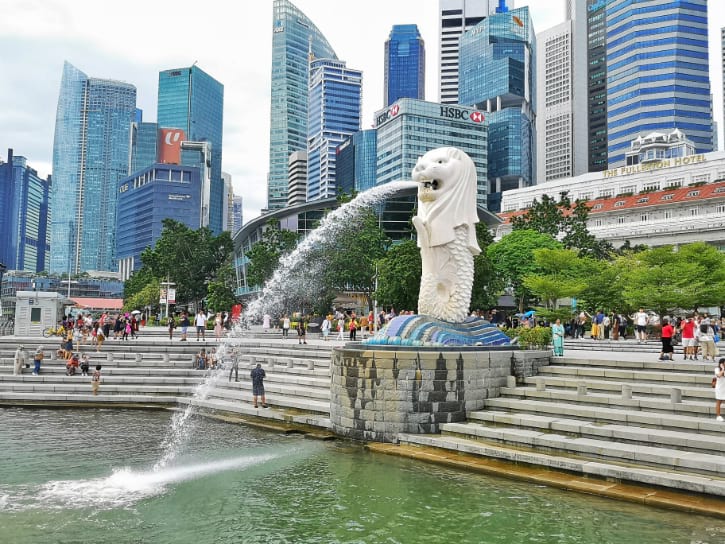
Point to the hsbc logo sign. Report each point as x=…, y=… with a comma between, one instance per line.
x=450, y=112
x=387, y=114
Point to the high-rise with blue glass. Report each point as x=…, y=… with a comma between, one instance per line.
x=90, y=155
x=294, y=38
x=496, y=75
x=357, y=162
x=404, y=64
x=335, y=102
x=657, y=73
x=24, y=215
x=193, y=101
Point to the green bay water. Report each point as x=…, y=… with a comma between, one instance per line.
x=87, y=476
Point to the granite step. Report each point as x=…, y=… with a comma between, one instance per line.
x=652, y=364
x=622, y=471
x=627, y=416
x=676, y=439
x=84, y=386
x=283, y=388
x=594, y=448
x=274, y=398
x=274, y=412
x=54, y=398
x=642, y=388
x=694, y=377
x=692, y=407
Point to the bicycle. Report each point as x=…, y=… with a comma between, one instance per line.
x=54, y=331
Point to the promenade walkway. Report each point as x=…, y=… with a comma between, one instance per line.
x=610, y=415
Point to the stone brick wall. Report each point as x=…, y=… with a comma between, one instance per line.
x=378, y=393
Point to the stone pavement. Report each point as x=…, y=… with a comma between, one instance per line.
x=596, y=413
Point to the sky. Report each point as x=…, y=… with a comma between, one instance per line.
x=132, y=41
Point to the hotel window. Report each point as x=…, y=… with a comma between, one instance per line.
x=644, y=217
x=702, y=178
x=619, y=204
x=643, y=200
x=720, y=208
x=694, y=211
x=668, y=214
x=620, y=220
x=693, y=193
x=667, y=197
x=597, y=206
x=597, y=222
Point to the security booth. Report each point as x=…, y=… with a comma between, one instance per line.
x=35, y=311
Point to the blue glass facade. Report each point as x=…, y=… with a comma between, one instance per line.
x=497, y=76
x=90, y=155
x=410, y=128
x=24, y=199
x=657, y=73
x=144, y=137
x=357, y=162
x=148, y=197
x=193, y=101
x=404, y=64
x=294, y=36
x=335, y=102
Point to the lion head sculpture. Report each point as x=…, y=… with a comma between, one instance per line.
x=446, y=196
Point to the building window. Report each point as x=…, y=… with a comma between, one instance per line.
x=702, y=178
x=693, y=193
x=597, y=222
x=644, y=217
x=620, y=220
x=720, y=208
x=643, y=200
x=668, y=214
x=597, y=206
x=694, y=211
x=667, y=197
x=619, y=204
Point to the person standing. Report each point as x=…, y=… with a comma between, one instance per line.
x=301, y=331
x=688, y=338
x=285, y=326
x=200, y=322
x=185, y=324
x=353, y=328
x=326, y=326
x=719, y=387
x=706, y=339
x=234, y=368
x=37, y=359
x=218, y=326
x=172, y=326
x=340, y=328
x=96, y=380
x=258, y=376
x=266, y=322
x=668, y=331
x=640, y=321
x=557, y=333
x=19, y=361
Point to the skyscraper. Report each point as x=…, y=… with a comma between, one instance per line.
x=404, y=64
x=294, y=37
x=24, y=216
x=456, y=17
x=722, y=40
x=237, y=213
x=90, y=155
x=561, y=100
x=143, y=146
x=335, y=102
x=297, y=178
x=193, y=101
x=657, y=72
x=497, y=70
x=597, y=84
x=357, y=160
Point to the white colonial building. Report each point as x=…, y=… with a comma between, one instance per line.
x=671, y=201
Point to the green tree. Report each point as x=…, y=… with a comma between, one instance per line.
x=264, y=256
x=189, y=258
x=487, y=283
x=399, y=276
x=147, y=296
x=352, y=255
x=545, y=216
x=220, y=294
x=559, y=276
x=513, y=259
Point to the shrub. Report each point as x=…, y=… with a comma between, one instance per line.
x=531, y=338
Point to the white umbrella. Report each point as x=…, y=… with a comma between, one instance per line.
x=135, y=312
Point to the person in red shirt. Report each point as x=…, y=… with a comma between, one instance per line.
x=688, y=338
x=668, y=331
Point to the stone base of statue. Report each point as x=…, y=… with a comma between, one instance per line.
x=423, y=330
x=380, y=388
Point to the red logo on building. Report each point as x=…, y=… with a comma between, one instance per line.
x=394, y=110
x=169, y=148
x=477, y=117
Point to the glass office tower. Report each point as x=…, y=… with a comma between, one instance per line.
x=294, y=37
x=357, y=162
x=404, y=64
x=193, y=101
x=335, y=102
x=24, y=216
x=143, y=146
x=658, y=76
x=90, y=154
x=497, y=67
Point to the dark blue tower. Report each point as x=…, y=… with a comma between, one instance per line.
x=404, y=64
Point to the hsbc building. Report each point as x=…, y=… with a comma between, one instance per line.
x=409, y=128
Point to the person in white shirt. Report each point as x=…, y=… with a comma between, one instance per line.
x=200, y=322
x=640, y=321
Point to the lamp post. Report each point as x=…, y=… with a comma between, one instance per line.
x=3, y=268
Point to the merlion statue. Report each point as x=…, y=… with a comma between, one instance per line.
x=446, y=232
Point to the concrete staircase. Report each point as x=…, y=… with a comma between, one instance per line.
x=649, y=422
x=160, y=372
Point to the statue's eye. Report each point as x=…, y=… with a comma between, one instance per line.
x=441, y=161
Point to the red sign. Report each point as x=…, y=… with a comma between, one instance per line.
x=236, y=312
x=169, y=148
x=476, y=117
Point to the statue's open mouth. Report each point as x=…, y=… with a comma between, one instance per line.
x=430, y=184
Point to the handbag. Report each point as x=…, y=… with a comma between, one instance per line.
x=716, y=337
x=714, y=382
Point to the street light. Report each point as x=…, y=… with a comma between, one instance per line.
x=3, y=268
